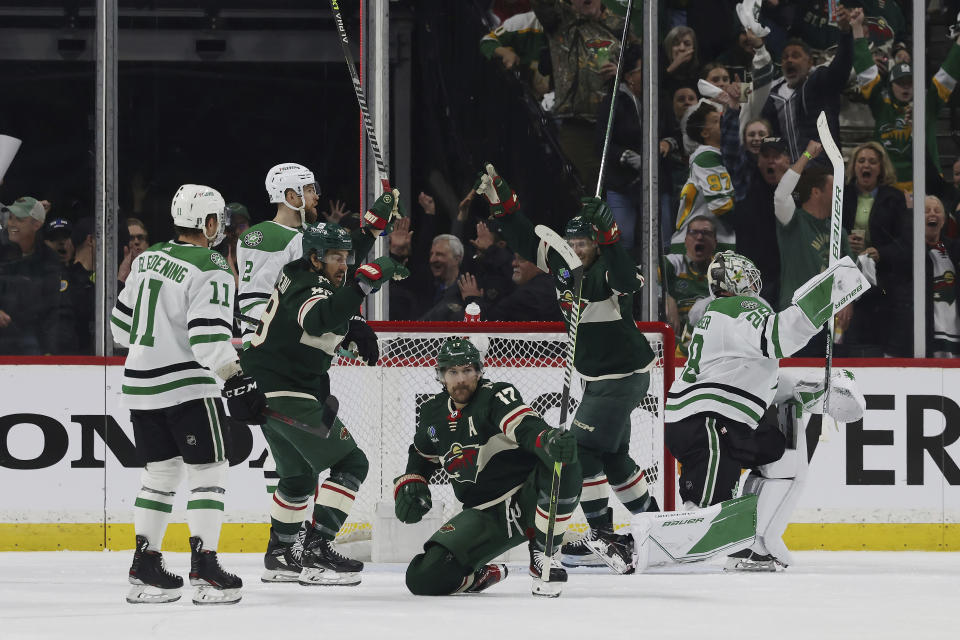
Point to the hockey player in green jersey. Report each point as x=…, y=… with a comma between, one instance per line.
x=302, y=326
x=175, y=317
x=499, y=455
x=722, y=412
x=612, y=357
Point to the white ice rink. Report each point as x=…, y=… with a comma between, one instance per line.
x=869, y=595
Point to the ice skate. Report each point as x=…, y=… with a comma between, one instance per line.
x=558, y=575
x=323, y=565
x=750, y=562
x=612, y=549
x=213, y=584
x=151, y=581
x=281, y=563
x=487, y=576
x=578, y=554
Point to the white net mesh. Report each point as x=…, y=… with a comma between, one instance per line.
x=380, y=405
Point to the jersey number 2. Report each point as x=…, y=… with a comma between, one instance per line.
x=146, y=338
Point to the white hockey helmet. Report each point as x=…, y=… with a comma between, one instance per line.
x=289, y=175
x=191, y=205
x=733, y=274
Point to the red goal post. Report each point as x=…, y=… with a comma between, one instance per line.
x=380, y=404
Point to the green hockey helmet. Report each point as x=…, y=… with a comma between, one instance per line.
x=733, y=274
x=325, y=237
x=455, y=352
x=580, y=228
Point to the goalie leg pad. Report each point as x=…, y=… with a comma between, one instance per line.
x=154, y=502
x=205, y=502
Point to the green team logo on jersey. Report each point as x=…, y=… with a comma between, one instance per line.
x=219, y=260
x=253, y=238
x=460, y=462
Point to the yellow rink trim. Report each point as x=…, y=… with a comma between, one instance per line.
x=252, y=537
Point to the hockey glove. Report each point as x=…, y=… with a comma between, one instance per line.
x=384, y=209
x=372, y=275
x=555, y=445
x=245, y=400
x=361, y=335
x=501, y=198
x=411, y=497
x=596, y=211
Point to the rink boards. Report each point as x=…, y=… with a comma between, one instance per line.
x=887, y=482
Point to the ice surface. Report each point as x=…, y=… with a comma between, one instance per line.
x=870, y=595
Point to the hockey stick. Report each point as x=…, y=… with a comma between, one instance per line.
x=361, y=97
x=836, y=159
x=613, y=98
x=331, y=406
x=558, y=244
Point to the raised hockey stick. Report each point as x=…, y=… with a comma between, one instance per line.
x=361, y=97
x=613, y=98
x=836, y=159
x=558, y=244
x=331, y=406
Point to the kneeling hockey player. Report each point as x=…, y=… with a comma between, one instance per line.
x=301, y=327
x=499, y=455
x=722, y=413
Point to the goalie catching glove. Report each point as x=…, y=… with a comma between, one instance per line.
x=384, y=209
x=371, y=276
x=596, y=212
x=411, y=498
x=847, y=404
x=556, y=445
x=501, y=198
x=362, y=340
x=245, y=401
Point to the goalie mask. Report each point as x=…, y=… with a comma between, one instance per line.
x=733, y=274
x=293, y=176
x=455, y=352
x=191, y=206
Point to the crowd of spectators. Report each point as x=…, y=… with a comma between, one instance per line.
x=741, y=85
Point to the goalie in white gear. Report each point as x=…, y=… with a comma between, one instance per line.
x=175, y=316
x=721, y=413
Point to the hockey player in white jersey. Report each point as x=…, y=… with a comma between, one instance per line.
x=267, y=246
x=722, y=412
x=175, y=316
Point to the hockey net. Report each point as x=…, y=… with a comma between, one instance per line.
x=380, y=404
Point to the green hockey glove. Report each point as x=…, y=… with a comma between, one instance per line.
x=556, y=445
x=384, y=209
x=411, y=497
x=501, y=198
x=372, y=275
x=596, y=211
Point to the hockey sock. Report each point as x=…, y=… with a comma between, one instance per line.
x=205, y=502
x=436, y=573
x=287, y=514
x=595, y=495
x=568, y=497
x=337, y=493
x=270, y=475
x=151, y=509
x=627, y=481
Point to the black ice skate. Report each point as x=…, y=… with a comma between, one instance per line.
x=213, y=584
x=151, y=581
x=578, y=554
x=281, y=563
x=323, y=565
x=613, y=549
x=751, y=562
x=487, y=576
x=558, y=575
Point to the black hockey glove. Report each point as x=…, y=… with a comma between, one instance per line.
x=411, y=497
x=554, y=445
x=245, y=400
x=365, y=339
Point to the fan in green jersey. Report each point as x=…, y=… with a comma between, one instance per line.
x=612, y=357
x=498, y=454
x=302, y=326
